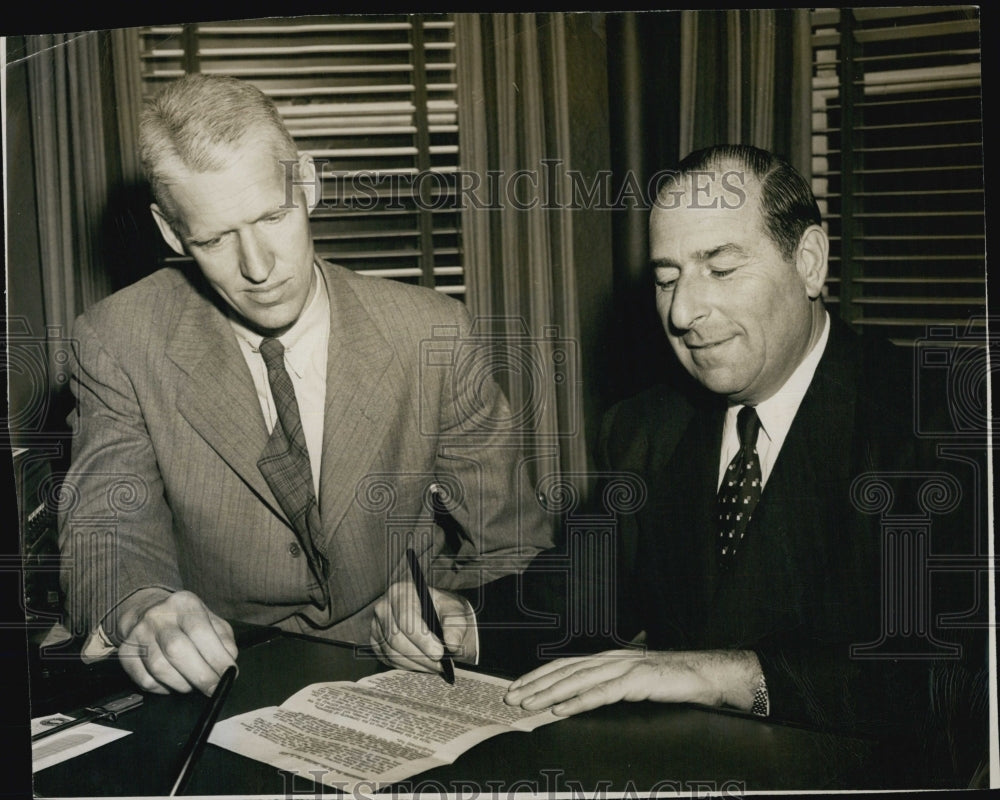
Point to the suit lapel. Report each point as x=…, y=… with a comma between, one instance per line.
x=218, y=397
x=357, y=399
x=784, y=550
x=219, y=400
x=680, y=521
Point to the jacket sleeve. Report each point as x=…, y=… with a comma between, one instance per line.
x=486, y=500
x=115, y=528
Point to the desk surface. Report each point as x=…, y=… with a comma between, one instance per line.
x=639, y=747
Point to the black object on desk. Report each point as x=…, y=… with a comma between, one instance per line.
x=199, y=736
x=110, y=711
x=429, y=614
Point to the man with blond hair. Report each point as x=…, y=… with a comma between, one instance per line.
x=269, y=413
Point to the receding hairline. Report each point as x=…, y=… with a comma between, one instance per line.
x=752, y=188
x=722, y=164
x=200, y=123
x=171, y=168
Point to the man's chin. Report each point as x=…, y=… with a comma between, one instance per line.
x=268, y=324
x=719, y=380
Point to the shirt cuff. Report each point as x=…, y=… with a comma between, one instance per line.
x=470, y=643
x=97, y=647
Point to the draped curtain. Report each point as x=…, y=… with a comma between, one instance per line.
x=680, y=81
x=519, y=258
x=744, y=78
x=84, y=97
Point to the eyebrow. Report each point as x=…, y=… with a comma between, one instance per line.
x=209, y=237
x=702, y=255
x=722, y=250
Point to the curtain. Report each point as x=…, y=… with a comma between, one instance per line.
x=679, y=81
x=514, y=123
x=80, y=157
x=744, y=78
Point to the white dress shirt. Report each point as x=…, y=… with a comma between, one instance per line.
x=306, y=344
x=776, y=413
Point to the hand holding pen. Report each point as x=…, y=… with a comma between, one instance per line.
x=429, y=613
x=421, y=628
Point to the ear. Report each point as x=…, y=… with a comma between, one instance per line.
x=308, y=181
x=166, y=230
x=811, y=260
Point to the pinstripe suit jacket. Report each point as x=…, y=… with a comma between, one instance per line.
x=164, y=488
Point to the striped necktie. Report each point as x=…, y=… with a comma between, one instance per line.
x=285, y=462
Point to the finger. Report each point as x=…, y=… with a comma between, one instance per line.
x=602, y=694
x=394, y=658
x=172, y=657
x=546, y=669
x=204, y=637
x=402, y=649
x=410, y=634
x=542, y=678
x=398, y=651
x=226, y=635
x=178, y=663
x=561, y=686
x=400, y=660
x=154, y=660
x=454, y=637
x=132, y=664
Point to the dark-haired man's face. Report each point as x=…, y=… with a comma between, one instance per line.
x=739, y=316
x=252, y=245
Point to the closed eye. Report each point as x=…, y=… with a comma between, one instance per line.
x=208, y=244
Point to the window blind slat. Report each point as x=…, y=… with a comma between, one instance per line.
x=346, y=87
x=906, y=219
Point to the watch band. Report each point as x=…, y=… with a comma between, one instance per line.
x=761, y=705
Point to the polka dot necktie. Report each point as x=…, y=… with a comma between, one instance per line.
x=741, y=486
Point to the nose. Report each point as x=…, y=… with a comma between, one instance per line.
x=256, y=260
x=689, y=302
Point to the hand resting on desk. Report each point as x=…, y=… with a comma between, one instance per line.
x=401, y=639
x=572, y=685
x=173, y=641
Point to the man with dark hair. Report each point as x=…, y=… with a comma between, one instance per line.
x=247, y=431
x=754, y=567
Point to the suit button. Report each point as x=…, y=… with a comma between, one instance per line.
x=294, y=550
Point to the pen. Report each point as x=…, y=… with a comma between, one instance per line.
x=199, y=736
x=428, y=613
x=110, y=710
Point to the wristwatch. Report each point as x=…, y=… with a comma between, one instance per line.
x=761, y=705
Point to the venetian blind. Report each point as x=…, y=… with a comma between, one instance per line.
x=898, y=166
x=373, y=99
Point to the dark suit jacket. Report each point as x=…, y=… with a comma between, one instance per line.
x=164, y=488
x=808, y=581
x=810, y=578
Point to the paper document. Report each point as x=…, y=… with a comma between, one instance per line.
x=72, y=742
x=380, y=730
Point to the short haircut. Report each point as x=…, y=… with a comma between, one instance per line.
x=787, y=204
x=198, y=121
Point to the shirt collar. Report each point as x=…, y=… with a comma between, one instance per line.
x=777, y=412
x=296, y=339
